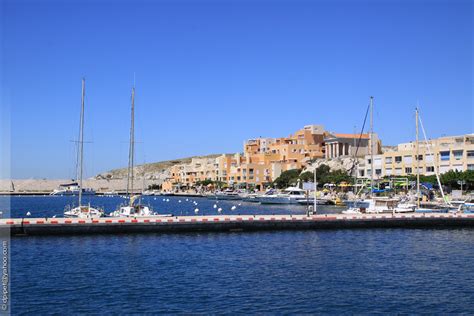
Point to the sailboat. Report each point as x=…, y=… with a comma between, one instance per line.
x=133, y=209
x=82, y=211
x=446, y=206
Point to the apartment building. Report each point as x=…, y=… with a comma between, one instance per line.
x=262, y=161
x=444, y=154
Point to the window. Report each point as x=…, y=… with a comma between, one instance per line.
x=457, y=154
x=369, y=161
x=429, y=158
x=470, y=167
x=420, y=157
x=407, y=159
x=408, y=170
x=378, y=172
x=398, y=171
x=398, y=159
x=470, y=154
x=444, y=155
x=388, y=160
x=430, y=169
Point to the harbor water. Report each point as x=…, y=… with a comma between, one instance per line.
x=333, y=271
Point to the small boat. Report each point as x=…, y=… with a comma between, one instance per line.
x=405, y=207
x=71, y=189
x=309, y=201
x=227, y=194
x=83, y=211
x=352, y=211
x=249, y=197
x=137, y=210
x=290, y=195
x=467, y=208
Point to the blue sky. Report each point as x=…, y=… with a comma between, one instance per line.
x=210, y=74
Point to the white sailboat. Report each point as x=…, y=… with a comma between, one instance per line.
x=133, y=209
x=82, y=211
x=446, y=205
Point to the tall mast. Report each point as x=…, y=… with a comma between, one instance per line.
x=355, y=163
x=315, y=207
x=131, y=148
x=371, y=140
x=417, y=161
x=81, y=140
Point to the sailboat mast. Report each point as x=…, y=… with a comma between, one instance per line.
x=355, y=163
x=371, y=140
x=81, y=140
x=417, y=161
x=315, y=207
x=132, y=145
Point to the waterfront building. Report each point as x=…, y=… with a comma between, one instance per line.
x=444, y=153
x=348, y=145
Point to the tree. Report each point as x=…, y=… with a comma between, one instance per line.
x=287, y=178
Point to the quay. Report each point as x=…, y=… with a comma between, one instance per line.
x=228, y=223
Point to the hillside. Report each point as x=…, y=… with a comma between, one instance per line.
x=153, y=171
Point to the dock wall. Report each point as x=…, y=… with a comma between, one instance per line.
x=226, y=223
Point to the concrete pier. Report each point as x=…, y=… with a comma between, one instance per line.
x=225, y=223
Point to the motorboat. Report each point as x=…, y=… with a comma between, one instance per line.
x=467, y=208
x=71, y=189
x=405, y=207
x=290, y=195
x=352, y=211
x=249, y=197
x=227, y=194
x=310, y=200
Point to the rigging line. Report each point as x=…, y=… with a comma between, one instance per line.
x=434, y=160
x=360, y=138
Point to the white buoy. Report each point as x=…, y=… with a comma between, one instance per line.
x=233, y=208
x=215, y=206
x=219, y=210
x=187, y=200
x=54, y=216
x=154, y=199
x=179, y=201
x=196, y=211
x=164, y=200
x=239, y=204
x=167, y=200
x=28, y=213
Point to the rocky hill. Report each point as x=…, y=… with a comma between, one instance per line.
x=157, y=171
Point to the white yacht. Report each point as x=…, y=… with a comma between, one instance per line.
x=290, y=195
x=227, y=194
x=71, y=189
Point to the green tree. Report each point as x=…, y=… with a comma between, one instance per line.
x=287, y=178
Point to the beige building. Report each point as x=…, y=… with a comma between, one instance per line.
x=444, y=154
x=348, y=145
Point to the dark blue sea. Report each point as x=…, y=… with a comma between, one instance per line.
x=287, y=272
